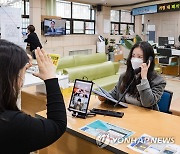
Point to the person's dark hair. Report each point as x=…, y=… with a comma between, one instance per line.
x=53, y=22
x=12, y=59
x=31, y=28
x=129, y=75
x=79, y=100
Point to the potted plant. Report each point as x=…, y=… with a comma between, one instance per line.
x=106, y=45
x=111, y=49
x=128, y=44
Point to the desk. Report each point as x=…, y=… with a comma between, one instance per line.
x=31, y=100
x=139, y=120
x=175, y=52
x=31, y=80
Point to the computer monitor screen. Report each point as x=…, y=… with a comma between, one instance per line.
x=164, y=52
x=163, y=41
x=54, y=27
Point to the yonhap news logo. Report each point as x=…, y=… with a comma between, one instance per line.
x=104, y=139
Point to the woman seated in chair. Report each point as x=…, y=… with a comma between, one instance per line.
x=146, y=87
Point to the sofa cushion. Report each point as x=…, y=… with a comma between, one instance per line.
x=66, y=62
x=92, y=72
x=90, y=59
x=107, y=83
x=116, y=66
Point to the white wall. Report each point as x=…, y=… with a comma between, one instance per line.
x=167, y=24
x=63, y=44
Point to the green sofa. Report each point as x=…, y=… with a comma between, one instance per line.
x=93, y=67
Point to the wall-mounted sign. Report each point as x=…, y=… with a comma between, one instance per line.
x=168, y=7
x=144, y=10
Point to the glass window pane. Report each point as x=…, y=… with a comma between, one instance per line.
x=78, y=27
x=115, y=29
x=114, y=15
x=27, y=8
x=19, y=4
x=89, y=31
x=67, y=32
x=81, y=11
x=131, y=29
x=126, y=16
x=63, y=9
x=25, y=23
x=123, y=29
x=142, y=19
x=67, y=24
x=93, y=15
x=89, y=25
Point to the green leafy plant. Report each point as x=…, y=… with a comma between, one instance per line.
x=129, y=44
x=111, y=47
x=106, y=41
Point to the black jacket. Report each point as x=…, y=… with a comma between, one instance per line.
x=33, y=41
x=21, y=133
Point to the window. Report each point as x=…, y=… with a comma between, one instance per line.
x=80, y=18
x=25, y=23
x=126, y=17
x=89, y=27
x=122, y=22
x=24, y=5
x=80, y=11
x=115, y=16
x=123, y=28
x=68, y=27
x=78, y=27
x=63, y=9
x=115, y=28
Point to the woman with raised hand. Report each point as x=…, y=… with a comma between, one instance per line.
x=19, y=132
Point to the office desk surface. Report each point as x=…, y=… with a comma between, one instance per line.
x=136, y=119
x=31, y=80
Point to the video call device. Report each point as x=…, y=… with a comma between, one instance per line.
x=80, y=98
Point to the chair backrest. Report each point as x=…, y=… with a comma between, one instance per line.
x=164, y=52
x=165, y=101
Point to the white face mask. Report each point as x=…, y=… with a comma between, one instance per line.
x=136, y=62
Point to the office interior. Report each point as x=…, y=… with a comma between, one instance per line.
x=86, y=20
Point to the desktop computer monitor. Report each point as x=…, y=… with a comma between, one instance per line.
x=164, y=52
x=162, y=41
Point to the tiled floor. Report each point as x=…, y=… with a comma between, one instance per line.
x=173, y=84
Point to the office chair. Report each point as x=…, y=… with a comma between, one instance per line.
x=165, y=101
x=165, y=57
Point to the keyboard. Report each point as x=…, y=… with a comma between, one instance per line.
x=107, y=112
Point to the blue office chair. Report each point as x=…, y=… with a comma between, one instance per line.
x=165, y=101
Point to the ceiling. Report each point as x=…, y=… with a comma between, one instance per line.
x=113, y=2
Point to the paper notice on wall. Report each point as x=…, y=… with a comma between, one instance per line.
x=151, y=28
x=11, y=24
x=55, y=58
x=106, y=26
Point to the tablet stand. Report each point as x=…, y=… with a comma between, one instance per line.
x=82, y=115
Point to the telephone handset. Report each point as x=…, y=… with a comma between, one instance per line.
x=137, y=70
